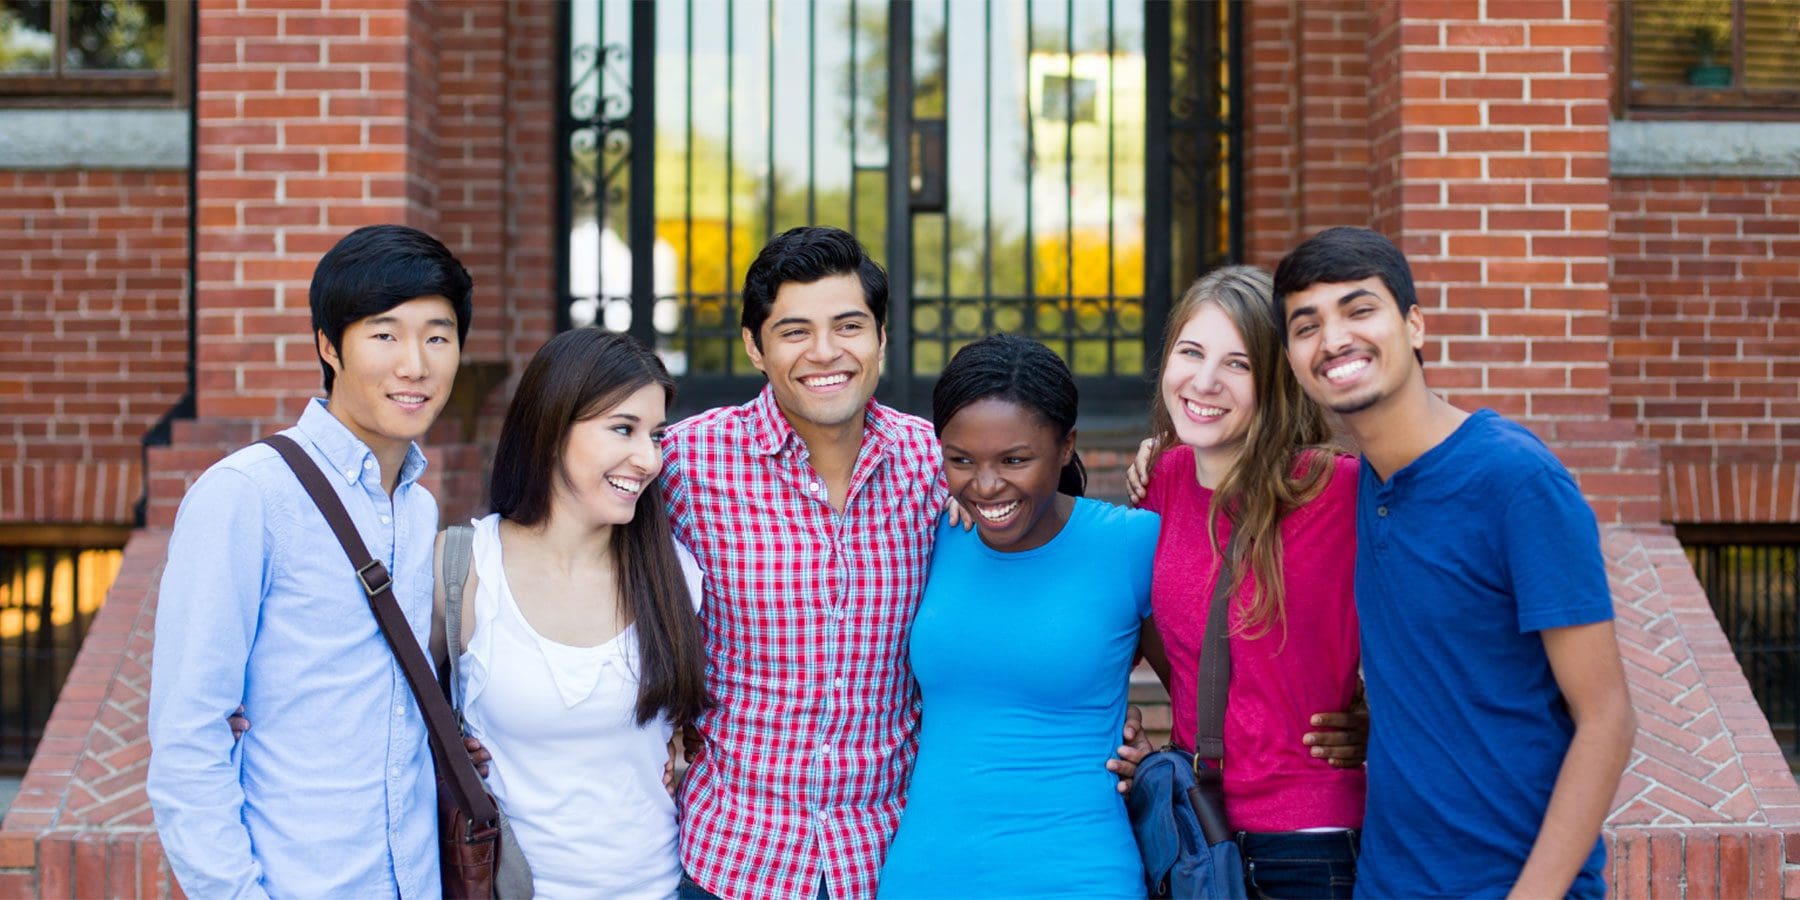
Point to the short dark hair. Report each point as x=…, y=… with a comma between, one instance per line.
x=1018, y=370
x=1341, y=254
x=576, y=376
x=804, y=255
x=376, y=268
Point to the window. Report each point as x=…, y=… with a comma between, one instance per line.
x=1728, y=54
x=100, y=49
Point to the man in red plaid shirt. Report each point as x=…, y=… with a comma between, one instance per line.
x=811, y=509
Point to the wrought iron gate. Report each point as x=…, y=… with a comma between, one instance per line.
x=1056, y=168
x=48, y=597
x=1751, y=575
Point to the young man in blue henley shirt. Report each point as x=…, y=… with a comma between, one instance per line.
x=1500, y=718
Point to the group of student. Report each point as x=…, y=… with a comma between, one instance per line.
x=877, y=699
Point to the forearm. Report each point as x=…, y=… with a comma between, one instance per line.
x=1579, y=804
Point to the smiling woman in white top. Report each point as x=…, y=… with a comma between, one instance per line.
x=582, y=647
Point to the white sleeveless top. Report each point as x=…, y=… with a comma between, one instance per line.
x=580, y=781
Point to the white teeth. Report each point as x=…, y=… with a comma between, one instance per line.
x=995, y=514
x=1199, y=410
x=408, y=398
x=627, y=485
x=826, y=381
x=1345, y=369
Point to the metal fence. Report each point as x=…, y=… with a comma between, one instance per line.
x=1750, y=577
x=48, y=597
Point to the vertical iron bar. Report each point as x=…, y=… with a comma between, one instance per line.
x=899, y=197
x=691, y=302
x=812, y=113
x=855, y=82
x=1030, y=287
x=565, y=218
x=946, y=318
x=769, y=128
x=1070, y=323
x=1112, y=310
x=987, y=168
x=1158, y=249
x=1234, y=124
x=730, y=179
x=643, y=172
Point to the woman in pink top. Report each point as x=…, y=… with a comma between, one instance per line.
x=1243, y=448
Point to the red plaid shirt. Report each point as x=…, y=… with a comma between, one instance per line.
x=807, y=612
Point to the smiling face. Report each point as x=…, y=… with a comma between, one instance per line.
x=1207, y=385
x=1349, y=345
x=392, y=374
x=1003, y=462
x=609, y=459
x=821, y=349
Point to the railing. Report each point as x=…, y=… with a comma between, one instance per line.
x=48, y=597
x=1750, y=576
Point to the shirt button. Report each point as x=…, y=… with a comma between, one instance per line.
x=395, y=772
x=814, y=487
x=839, y=682
x=368, y=464
x=399, y=709
x=349, y=473
x=1381, y=511
x=386, y=519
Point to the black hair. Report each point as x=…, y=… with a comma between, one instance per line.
x=1341, y=254
x=376, y=268
x=1018, y=370
x=802, y=256
x=576, y=376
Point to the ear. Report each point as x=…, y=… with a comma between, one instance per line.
x=328, y=353
x=1415, y=327
x=750, y=350
x=1067, y=450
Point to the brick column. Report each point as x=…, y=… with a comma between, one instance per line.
x=1489, y=138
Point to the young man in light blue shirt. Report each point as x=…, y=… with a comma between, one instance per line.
x=332, y=793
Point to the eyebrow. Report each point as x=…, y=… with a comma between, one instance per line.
x=391, y=319
x=1197, y=344
x=1013, y=449
x=1308, y=309
x=840, y=317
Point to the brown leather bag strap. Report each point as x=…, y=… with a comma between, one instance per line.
x=446, y=741
x=1214, y=670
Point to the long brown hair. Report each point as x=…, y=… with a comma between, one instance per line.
x=1288, y=450
x=578, y=375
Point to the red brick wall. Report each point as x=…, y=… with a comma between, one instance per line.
x=93, y=336
x=1706, y=340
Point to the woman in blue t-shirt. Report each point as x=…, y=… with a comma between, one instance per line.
x=1023, y=646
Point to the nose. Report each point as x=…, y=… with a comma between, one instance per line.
x=1334, y=333
x=822, y=348
x=411, y=364
x=646, y=455
x=1207, y=379
x=987, y=481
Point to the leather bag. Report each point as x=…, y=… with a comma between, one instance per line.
x=468, y=820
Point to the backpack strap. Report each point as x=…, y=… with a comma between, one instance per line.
x=459, y=544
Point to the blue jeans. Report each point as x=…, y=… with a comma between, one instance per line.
x=688, y=890
x=1299, y=863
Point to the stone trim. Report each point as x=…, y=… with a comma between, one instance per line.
x=93, y=139
x=1697, y=149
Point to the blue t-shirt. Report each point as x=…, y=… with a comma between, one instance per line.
x=1023, y=661
x=1462, y=557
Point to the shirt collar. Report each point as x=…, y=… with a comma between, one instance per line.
x=771, y=432
x=347, y=455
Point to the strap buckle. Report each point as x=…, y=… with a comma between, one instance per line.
x=374, y=577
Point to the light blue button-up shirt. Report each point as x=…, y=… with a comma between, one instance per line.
x=331, y=792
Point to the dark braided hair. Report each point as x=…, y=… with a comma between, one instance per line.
x=1018, y=370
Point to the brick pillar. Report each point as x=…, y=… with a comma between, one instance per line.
x=314, y=118
x=1489, y=139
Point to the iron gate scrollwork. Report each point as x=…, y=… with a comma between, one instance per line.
x=1057, y=168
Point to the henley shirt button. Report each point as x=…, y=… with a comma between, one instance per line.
x=1381, y=511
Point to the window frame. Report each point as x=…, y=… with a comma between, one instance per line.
x=62, y=88
x=1668, y=101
